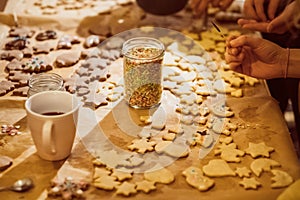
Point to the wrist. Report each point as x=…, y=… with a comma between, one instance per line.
x=294, y=64
x=287, y=62
x=284, y=62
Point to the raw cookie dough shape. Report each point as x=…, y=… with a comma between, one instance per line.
x=217, y=168
x=195, y=178
x=142, y=145
x=106, y=182
x=229, y=152
x=280, y=179
x=243, y=172
x=111, y=159
x=221, y=110
x=126, y=189
x=145, y=186
x=159, y=175
x=262, y=164
x=100, y=171
x=159, y=119
x=260, y=149
x=121, y=175
x=172, y=149
x=250, y=183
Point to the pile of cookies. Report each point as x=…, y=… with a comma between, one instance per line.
x=27, y=51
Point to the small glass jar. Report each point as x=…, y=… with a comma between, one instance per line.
x=45, y=82
x=142, y=71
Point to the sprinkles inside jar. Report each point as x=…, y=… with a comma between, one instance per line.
x=143, y=72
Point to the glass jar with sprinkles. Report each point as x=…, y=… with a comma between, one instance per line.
x=142, y=71
x=45, y=82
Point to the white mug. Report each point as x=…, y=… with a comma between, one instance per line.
x=52, y=119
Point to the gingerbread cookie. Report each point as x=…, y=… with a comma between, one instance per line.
x=94, y=100
x=42, y=48
x=21, y=32
x=14, y=65
x=92, y=41
x=27, y=52
x=37, y=65
x=93, y=63
x=21, y=91
x=18, y=43
x=67, y=59
x=19, y=77
x=81, y=71
x=73, y=83
x=99, y=75
x=66, y=42
x=11, y=55
x=46, y=35
x=6, y=86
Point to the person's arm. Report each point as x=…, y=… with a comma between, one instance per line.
x=293, y=68
x=261, y=58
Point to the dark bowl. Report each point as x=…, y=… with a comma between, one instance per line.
x=162, y=7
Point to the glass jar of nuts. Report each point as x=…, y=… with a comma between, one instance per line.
x=142, y=71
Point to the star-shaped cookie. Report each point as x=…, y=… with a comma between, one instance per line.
x=250, y=183
x=106, y=182
x=229, y=152
x=126, y=189
x=145, y=186
x=259, y=149
x=142, y=145
x=243, y=172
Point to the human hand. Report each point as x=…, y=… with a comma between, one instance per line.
x=199, y=6
x=278, y=25
x=255, y=9
x=283, y=22
x=256, y=57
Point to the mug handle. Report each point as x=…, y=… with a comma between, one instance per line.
x=48, y=140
